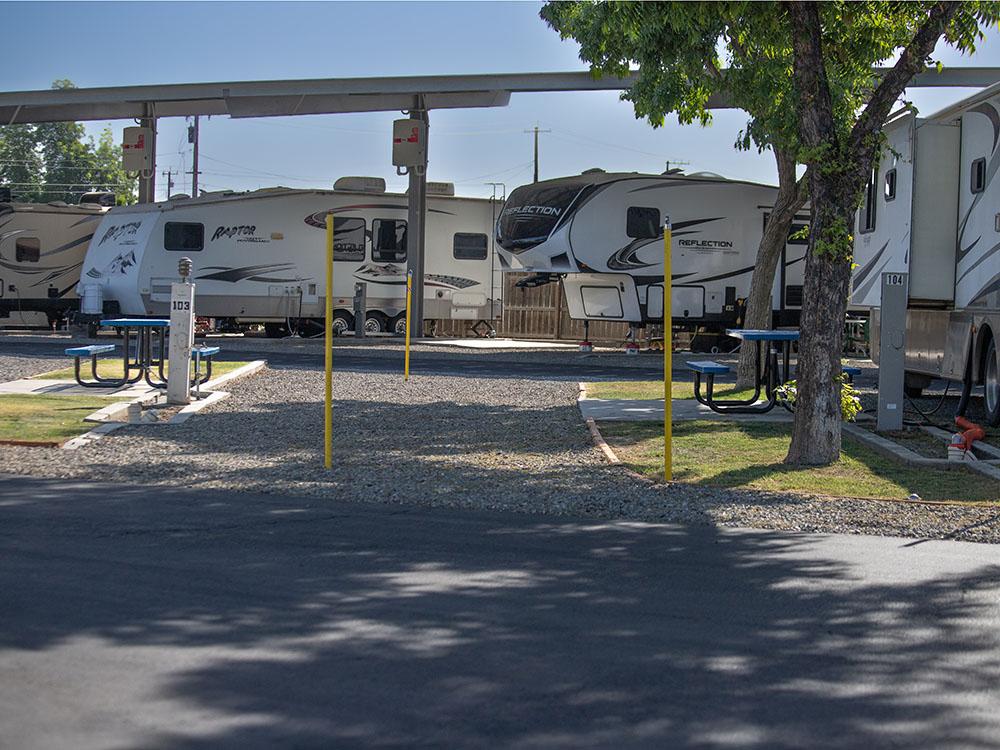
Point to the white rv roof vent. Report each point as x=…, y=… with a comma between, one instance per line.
x=180, y=197
x=593, y=170
x=360, y=184
x=440, y=188
x=712, y=175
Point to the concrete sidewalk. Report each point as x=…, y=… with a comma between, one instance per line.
x=684, y=409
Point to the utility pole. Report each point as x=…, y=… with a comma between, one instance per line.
x=169, y=174
x=536, y=131
x=147, y=180
x=493, y=248
x=193, y=139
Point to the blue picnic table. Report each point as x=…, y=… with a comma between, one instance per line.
x=143, y=360
x=769, y=375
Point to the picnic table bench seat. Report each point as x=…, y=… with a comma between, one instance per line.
x=708, y=368
x=204, y=352
x=90, y=351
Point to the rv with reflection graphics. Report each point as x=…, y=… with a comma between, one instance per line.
x=601, y=234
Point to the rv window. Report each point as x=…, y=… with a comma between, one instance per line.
x=388, y=241
x=867, y=223
x=348, y=239
x=27, y=249
x=185, y=236
x=978, y=175
x=470, y=246
x=890, y=185
x=642, y=223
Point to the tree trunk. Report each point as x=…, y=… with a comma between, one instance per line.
x=789, y=200
x=838, y=172
x=816, y=429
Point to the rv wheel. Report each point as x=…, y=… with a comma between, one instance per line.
x=376, y=322
x=991, y=385
x=342, y=322
x=399, y=324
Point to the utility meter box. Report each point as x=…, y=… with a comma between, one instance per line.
x=136, y=152
x=409, y=143
x=892, y=351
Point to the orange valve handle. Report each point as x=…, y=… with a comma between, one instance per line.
x=971, y=432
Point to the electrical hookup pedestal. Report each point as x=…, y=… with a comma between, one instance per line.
x=892, y=351
x=181, y=336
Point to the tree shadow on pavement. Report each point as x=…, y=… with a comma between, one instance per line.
x=229, y=620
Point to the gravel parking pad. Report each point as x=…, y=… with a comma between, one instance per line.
x=15, y=367
x=485, y=443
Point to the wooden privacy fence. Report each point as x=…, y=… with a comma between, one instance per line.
x=538, y=313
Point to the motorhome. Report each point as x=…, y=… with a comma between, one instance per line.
x=259, y=257
x=42, y=246
x=601, y=234
x=931, y=211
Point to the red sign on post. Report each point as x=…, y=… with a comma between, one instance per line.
x=409, y=143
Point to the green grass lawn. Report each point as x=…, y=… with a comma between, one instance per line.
x=749, y=455
x=46, y=419
x=653, y=389
x=111, y=367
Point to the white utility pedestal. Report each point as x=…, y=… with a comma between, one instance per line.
x=181, y=340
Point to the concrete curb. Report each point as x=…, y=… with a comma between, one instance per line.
x=89, y=437
x=191, y=409
x=609, y=454
x=889, y=449
x=601, y=443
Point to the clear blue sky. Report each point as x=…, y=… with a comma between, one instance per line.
x=110, y=44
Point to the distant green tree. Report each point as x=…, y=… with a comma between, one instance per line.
x=56, y=161
x=21, y=165
x=107, y=171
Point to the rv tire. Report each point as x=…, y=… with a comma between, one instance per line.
x=343, y=322
x=991, y=385
x=376, y=322
x=399, y=324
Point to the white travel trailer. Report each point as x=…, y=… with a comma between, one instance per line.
x=932, y=210
x=260, y=256
x=602, y=234
x=42, y=246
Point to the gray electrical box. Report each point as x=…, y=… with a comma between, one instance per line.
x=409, y=143
x=892, y=351
x=360, y=307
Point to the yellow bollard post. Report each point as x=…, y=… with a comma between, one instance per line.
x=328, y=345
x=668, y=363
x=409, y=300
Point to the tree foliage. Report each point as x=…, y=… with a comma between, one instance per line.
x=57, y=161
x=690, y=56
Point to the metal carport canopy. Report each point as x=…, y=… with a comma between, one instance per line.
x=331, y=95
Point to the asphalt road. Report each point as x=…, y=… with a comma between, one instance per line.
x=137, y=618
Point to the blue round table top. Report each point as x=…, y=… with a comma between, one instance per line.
x=751, y=334
x=136, y=322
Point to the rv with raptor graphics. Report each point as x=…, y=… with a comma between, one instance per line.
x=259, y=257
x=42, y=246
x=601, y=234
x=932, y=210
